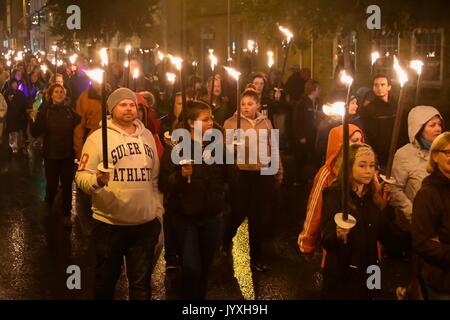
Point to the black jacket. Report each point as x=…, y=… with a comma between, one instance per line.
x=16, y=117
x=56, y=123
x=344, y=276
x=205, y=195
x=378, y=119
x=431, y=230
x=304, y=121
x=77, y=84
x=295, y=86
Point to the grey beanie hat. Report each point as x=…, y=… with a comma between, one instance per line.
x=119, y=95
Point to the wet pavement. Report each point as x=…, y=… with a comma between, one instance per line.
x=36, y=249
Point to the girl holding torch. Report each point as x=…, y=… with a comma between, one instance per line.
x=253, y=195
x=351, y=251
x=195, y=199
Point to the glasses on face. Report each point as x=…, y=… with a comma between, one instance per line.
x=446, y=152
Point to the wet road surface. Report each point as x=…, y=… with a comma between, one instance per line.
x=36, y=249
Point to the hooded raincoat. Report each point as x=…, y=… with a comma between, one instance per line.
x=311, y=228
x=409, y=166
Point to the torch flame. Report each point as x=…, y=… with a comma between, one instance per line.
x=104, y=56
x=160, y=55
x=402, y=77
x=171, y=77
x=95, y=74
x=270, y=59
x=44, y=68
x=334, y=109
x=287, y=33
x=135, y=73
x=346, y=79
x=127, y=48
x=19, y=56
x=54, y=47
x=417, y=66
x=126, y=64
x=250, y=45
x=73, y=58
x=375, y=56
x=8, y=63
x=234, y=73
x=175, y=61
x=212, y=58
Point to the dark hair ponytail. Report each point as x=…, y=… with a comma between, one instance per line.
x=250, y=91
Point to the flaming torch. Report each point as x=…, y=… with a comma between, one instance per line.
x=374, y=56
x=417, y=66
x=73, y=59
x=99, y=76
x=288, y=34
x=178, y=63
x=213, y=60
x=171, y=77
x=135, y=76
x=236, y=74
x=403, y=78
x=270, y=60
x=127, y=71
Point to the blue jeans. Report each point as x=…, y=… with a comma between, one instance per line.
x=199, y=238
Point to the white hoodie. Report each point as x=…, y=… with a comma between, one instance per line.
x=132, y=196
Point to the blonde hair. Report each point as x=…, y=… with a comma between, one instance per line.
x=440, y=142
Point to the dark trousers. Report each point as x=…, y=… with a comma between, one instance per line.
x=171, y=243
x=56, y=170
x=137, y=244
x=252, y=197
x=304, y=168
x=199, y=240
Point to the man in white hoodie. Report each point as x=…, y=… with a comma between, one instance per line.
x=126, y=204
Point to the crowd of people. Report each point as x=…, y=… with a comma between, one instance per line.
x=198, y=206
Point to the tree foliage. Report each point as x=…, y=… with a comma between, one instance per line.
x=102, y=19
x=321, y=17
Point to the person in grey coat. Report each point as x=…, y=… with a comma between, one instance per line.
x=425, y=123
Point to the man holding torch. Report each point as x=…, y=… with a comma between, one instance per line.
x=127, y=207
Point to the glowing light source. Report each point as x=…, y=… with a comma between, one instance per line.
x=402, y=76
x=270, y=60
x=96, y=74
x=334, y=109
x=416, y=65
x=287, y=33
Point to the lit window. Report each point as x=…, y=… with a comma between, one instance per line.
x=427, y=46
x=387, y=47
x=341, y=47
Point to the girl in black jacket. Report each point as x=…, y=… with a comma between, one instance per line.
x=431, y=222
x=195, y=193
x=351, y=251
x=56, y=122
